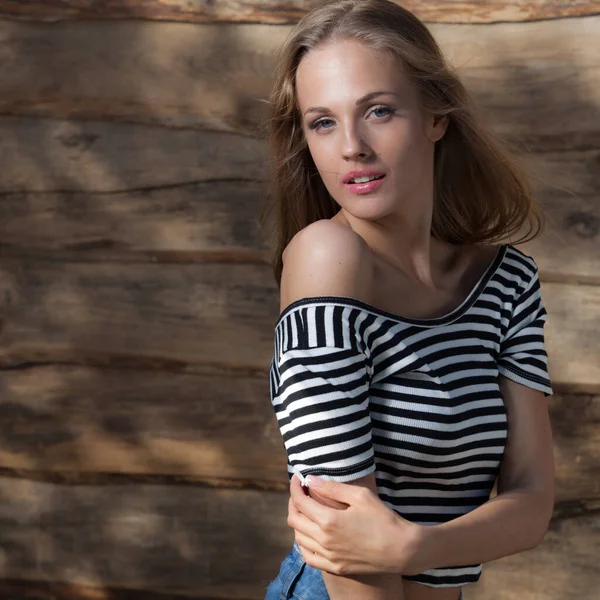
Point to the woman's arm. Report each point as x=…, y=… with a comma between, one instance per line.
x=515, y=520
x=326, y=259
x=366, y=537
x=378, y=586
x=518, y=517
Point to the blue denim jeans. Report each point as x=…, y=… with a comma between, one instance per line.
x=298, y=580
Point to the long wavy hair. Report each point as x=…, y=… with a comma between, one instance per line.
x=481, y=194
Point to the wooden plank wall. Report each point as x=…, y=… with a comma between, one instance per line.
x=139, y=456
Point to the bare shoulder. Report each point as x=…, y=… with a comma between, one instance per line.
x=325, y=259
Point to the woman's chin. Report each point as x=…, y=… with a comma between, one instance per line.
x=370, y=211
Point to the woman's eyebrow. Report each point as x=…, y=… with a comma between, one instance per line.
x=365, y=98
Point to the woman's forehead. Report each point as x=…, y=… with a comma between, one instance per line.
x=344, y=71
x=347, y=53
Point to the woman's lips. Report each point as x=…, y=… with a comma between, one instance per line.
x=364, y=188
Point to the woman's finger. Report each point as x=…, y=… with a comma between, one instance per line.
x=316, y=560
x=308, y=506
x=311, y=546
x=299, y=522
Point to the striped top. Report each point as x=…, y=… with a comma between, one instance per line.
x=358, y=390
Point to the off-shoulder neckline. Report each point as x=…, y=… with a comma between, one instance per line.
x=430, y=322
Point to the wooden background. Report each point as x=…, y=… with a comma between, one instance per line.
x=139, y=455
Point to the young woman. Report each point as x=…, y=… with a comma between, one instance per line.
x=409, y=369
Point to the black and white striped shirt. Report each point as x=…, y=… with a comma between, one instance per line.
x=358, y=390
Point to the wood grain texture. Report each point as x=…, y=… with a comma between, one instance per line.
x=277, y=12
x=178, y=317
x=558, y=568
x=575, y=422
x=87, y=420
x=16, y=589
x=568, y=187
x=181, y=539
x=536, y=83
x=53, y=155
x=193, y=222
x=190, y=317
x=79, y=421
x=573, y=314
x=169, y=539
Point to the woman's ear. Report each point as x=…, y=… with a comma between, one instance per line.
x=437, y=127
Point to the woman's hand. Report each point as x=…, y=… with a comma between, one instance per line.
x=365, y=537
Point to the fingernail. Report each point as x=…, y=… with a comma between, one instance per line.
x=314, y=481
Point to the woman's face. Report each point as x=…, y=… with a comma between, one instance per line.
x=387, y=133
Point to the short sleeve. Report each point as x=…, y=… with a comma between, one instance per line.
x=320, y=377
x=523, y=356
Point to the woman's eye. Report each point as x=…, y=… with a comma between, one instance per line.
x=317, y=124
x=385, y=109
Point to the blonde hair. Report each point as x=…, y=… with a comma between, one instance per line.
x=480, y=193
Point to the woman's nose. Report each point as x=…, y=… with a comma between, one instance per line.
x=354, y=143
